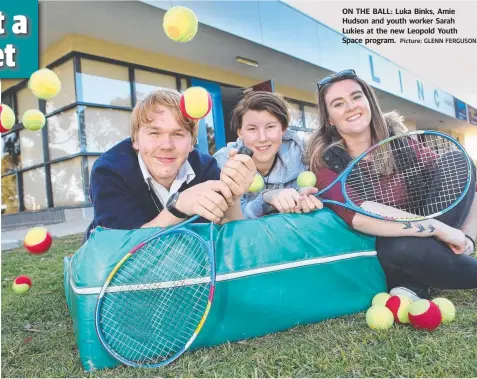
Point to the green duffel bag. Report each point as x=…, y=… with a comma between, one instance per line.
x=273, y=273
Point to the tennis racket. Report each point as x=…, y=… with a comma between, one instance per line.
x=158, y=296
x=408, y=177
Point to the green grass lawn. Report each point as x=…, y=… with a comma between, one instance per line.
x=343, y=347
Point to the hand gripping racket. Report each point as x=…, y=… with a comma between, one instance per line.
x=408, y=177
x=158, y=296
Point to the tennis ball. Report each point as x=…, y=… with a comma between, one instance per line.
x=21, y=284
x=424, y=314
x=257, y=185
x=195, y=103
x=447, y=309
x=33, y=120
x=306, y=179
x=38, y=240
x=44, y=84
x=180, y=24
x=7, y=118
x=380, y=298
x=399, y=306
x=379, y=317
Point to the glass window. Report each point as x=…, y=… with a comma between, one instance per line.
x=34, y=189
x=105, y=83
x=91, y=161
x=31, y=146
x=209, y=125
x=312, y=119
x=67, y=95
x=304, y=135
x=11, y=152
x=67, y=182
x=25, y=101
x=9, y=194
x=147, y=82
x=63, y=137
x=105, y=128
x=7, y=99
x=296, y=116
x=184, y=85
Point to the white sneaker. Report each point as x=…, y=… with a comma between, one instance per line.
x=405, y=292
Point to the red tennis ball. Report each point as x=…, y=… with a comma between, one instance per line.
x=424, y=314
x=21, y=284
x=7, y=118
x=195, y=103
x=38, y=240
x=399, y=306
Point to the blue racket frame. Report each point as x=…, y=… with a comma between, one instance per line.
x=344, y=175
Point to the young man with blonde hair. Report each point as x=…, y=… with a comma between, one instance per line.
x=158, y=178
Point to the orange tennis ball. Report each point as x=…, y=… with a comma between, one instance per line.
x=7, y=118
x=38, y=240
x=195, y=103
x=424, y=314
x=399, y=306
x=21, y=284
x=180, y=24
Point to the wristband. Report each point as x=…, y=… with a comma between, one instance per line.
x=471, y=240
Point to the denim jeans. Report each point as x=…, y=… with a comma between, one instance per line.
x=422, y=262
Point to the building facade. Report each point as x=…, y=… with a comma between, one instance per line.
x=111, y=54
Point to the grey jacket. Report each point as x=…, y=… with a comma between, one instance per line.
x=284, y=174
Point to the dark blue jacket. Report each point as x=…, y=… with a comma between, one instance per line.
x=119, y=193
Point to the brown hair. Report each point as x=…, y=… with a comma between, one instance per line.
x=326, y=136
x=273, y=103
x=143, y=112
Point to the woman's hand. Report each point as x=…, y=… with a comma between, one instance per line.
x=454, y=238
x=289, y=200
x=469, y=246
x=307, y=201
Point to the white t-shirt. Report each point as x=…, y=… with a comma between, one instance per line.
x=185, y=174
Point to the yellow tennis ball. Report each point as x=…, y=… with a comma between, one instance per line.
x=306, y=179
x=21, y=284
x=180, y=24
x=44, y=84
x=380, y=298
x=257, y=185
x=447, y=309
x=195, y=103
x=7, y=118
x=33, y=120
x=379, y=317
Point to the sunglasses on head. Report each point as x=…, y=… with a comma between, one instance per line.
x=328, y=79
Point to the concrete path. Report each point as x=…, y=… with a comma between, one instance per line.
x=14, y=238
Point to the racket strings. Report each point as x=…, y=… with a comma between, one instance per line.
x=157, y=298
x=427, y=177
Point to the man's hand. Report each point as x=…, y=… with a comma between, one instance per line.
x=238, y=173
x=209, y=200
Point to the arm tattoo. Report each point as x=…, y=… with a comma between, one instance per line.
x=420, y=228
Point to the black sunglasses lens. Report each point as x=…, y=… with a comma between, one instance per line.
x=329, y=78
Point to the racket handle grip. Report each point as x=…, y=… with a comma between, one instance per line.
x=245, y=150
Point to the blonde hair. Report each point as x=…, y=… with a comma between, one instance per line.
x=143, y=112
x=326, y=136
